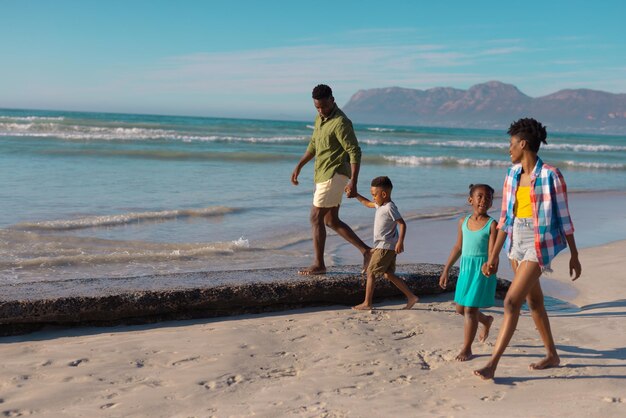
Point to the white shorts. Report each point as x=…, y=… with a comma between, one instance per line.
x=328, y=194
x=523, y=242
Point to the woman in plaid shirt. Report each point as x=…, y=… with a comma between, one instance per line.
x=536, y=225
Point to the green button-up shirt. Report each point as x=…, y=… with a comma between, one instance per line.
x=334, y=145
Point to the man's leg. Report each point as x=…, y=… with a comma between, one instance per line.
x=318, y=231
x=331, y=219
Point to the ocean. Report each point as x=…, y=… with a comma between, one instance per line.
x=89, y=195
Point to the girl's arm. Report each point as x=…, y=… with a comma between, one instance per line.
x=366, y=202
x=491, y=266
x=574, y=263
x=453, y=257
x=402, y=228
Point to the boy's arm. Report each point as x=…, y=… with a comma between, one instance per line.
x=401, y=235
x=455, y=253
x=365, y=201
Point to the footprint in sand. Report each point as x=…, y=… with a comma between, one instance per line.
x=498, y=396
x=278, y=373
x=229, y=381
x=610, y=399
x=15, y=413
x=76, y=363
x=185, y=360
x=108, y=406
x=402, y=379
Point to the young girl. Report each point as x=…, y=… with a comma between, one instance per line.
x=536, y=224
x=474, y=290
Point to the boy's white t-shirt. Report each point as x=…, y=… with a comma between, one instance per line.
x=385, y=227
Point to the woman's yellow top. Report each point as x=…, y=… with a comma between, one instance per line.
x=523, y=206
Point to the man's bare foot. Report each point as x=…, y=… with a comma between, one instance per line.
x=311, y=271
x=549, y=361
x=486, y=373
x=363, y=307
x=484, y=332
x=410, y=302
x=464, y=355
x=367, y=256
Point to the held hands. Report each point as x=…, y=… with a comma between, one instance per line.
x=490, y=267
x=350, y=190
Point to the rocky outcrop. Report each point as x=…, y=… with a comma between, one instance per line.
x=133, y=300
x=492, y=105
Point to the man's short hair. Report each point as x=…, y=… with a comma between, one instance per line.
x=322, y=91
x=383, y=182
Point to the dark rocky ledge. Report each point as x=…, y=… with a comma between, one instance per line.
x=133, y=300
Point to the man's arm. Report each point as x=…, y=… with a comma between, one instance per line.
x=351, y=190
x=296, y=172
x=347, y=139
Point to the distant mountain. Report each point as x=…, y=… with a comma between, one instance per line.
x=490, y=105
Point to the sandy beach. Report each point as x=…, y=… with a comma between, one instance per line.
x=332, y=362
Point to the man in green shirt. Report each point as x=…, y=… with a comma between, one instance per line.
x=337, y=160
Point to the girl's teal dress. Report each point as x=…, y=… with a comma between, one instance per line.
x=473, y=288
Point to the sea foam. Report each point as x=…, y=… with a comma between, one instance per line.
x=121, y=219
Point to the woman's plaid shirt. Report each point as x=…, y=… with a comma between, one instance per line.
x=551, y=218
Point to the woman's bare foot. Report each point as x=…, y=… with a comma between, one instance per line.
x=484, y=332
x=486, y=373
x=552, y=360
x=311, y=271
x=410, y=302
x=464, y=355
x=363, y=307
x=367, y=256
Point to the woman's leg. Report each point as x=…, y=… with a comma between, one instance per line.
x=526, y=276
x=542, y=323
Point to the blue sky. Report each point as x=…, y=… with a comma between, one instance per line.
x=262, y=58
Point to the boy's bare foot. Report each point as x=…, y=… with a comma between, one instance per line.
x=549, y=361
x=410, y=302
x=484, y=333
x=366, y=260
x=486, y=373
x=464, y=355
x=363, y=307
x=311, y=271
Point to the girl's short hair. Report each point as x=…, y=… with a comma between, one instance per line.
x=487, y=187
x=531, y=131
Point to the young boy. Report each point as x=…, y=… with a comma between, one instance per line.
x=387, y=242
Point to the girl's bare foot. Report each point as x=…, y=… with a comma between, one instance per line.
x=410, y=302
x=363, y=307
x=311, y=271
x=552, y=360
x=484, y=333
x=464, y=355
x=486, y=373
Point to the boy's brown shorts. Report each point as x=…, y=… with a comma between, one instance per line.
x=382, y=261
